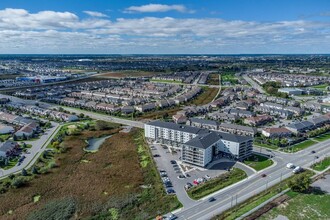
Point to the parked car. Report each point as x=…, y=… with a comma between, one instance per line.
x=181, y=177
x=170, y=191
x=156, y=155
x=195, y=182
x=188, y=186
x=173, y=162
x=207, y=177
x=298, y=169
x=211, y=199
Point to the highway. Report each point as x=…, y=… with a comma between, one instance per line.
x=255, y=184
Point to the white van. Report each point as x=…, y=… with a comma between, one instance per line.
x=290, y=166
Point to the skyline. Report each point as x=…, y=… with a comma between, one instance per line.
x=164, y=27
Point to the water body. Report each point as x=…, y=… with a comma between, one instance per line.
x=95, y=143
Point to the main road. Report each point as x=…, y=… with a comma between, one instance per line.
x=232, y=195
x=93, y=115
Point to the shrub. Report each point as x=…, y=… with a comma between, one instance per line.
x=58, y=209
x=19, y=181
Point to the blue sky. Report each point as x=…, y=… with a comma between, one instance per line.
x=194, y=26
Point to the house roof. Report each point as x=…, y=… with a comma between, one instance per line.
x=206, y=140
x=183, y=128
x=204, y=121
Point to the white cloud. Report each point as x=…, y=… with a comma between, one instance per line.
x=65, y=32
x=156, y=8
x=95, y=14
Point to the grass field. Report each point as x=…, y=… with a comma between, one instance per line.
x=313, y=205
x=300, y=146
x=165, y=81
x=322, y=165
x=322, y=137
x=4, y=137
x=273, y=147
x=11, y=163
x=224, y=180
x=213, y=79
x=205, y=97
x=258, y=162
x=94, y=185
x=322, y=86
x=256, y=200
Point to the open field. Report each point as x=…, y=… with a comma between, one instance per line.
x=314, y=205
x=205, y=97
x=213, y=79
x=158, y=114
x=102, y=184
x=258, y=162
x=256, y=200
x=322, y=165
x=213, y=185
x=128, y=73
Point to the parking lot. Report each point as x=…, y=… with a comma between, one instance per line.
x=165, y=158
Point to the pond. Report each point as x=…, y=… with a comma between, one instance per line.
x=95, y=143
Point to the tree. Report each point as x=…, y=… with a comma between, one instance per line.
x=35, y=170
x=19, y=181
x=24, y=172
x=300, y=183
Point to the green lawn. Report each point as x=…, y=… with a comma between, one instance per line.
x=11, y=163
x=322, y=137
x=165, y=81
x=273, y=147
x=258, y=162
x=4, y=137
x=224, y=180
x=299, y=146
x=322, y=165
x=322, y=86
x=303, y=206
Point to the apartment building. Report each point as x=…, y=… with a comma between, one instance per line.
x=198, y=146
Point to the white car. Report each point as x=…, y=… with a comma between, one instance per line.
x=207, y=177
x=290, y=166
x=298, y=169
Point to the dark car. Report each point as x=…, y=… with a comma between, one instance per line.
x=173, y=162
x=313, y=152
x=263, y=175
x=156, y=155
x=187, y=175
x=168, y=184
x=170, y=191
x=211, y=199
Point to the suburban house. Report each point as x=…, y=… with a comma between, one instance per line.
x=258, y=120
x=8, y=148
x=276, y=132
x=179, y=119
x=27, y=130
x=203, y=123
x=4, y=129
x=238, y=129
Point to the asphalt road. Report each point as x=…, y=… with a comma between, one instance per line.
x=38, y=146
x=253, y=84
x=255, y=184
x=93, y=115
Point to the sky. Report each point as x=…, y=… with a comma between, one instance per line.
x=164, y=27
